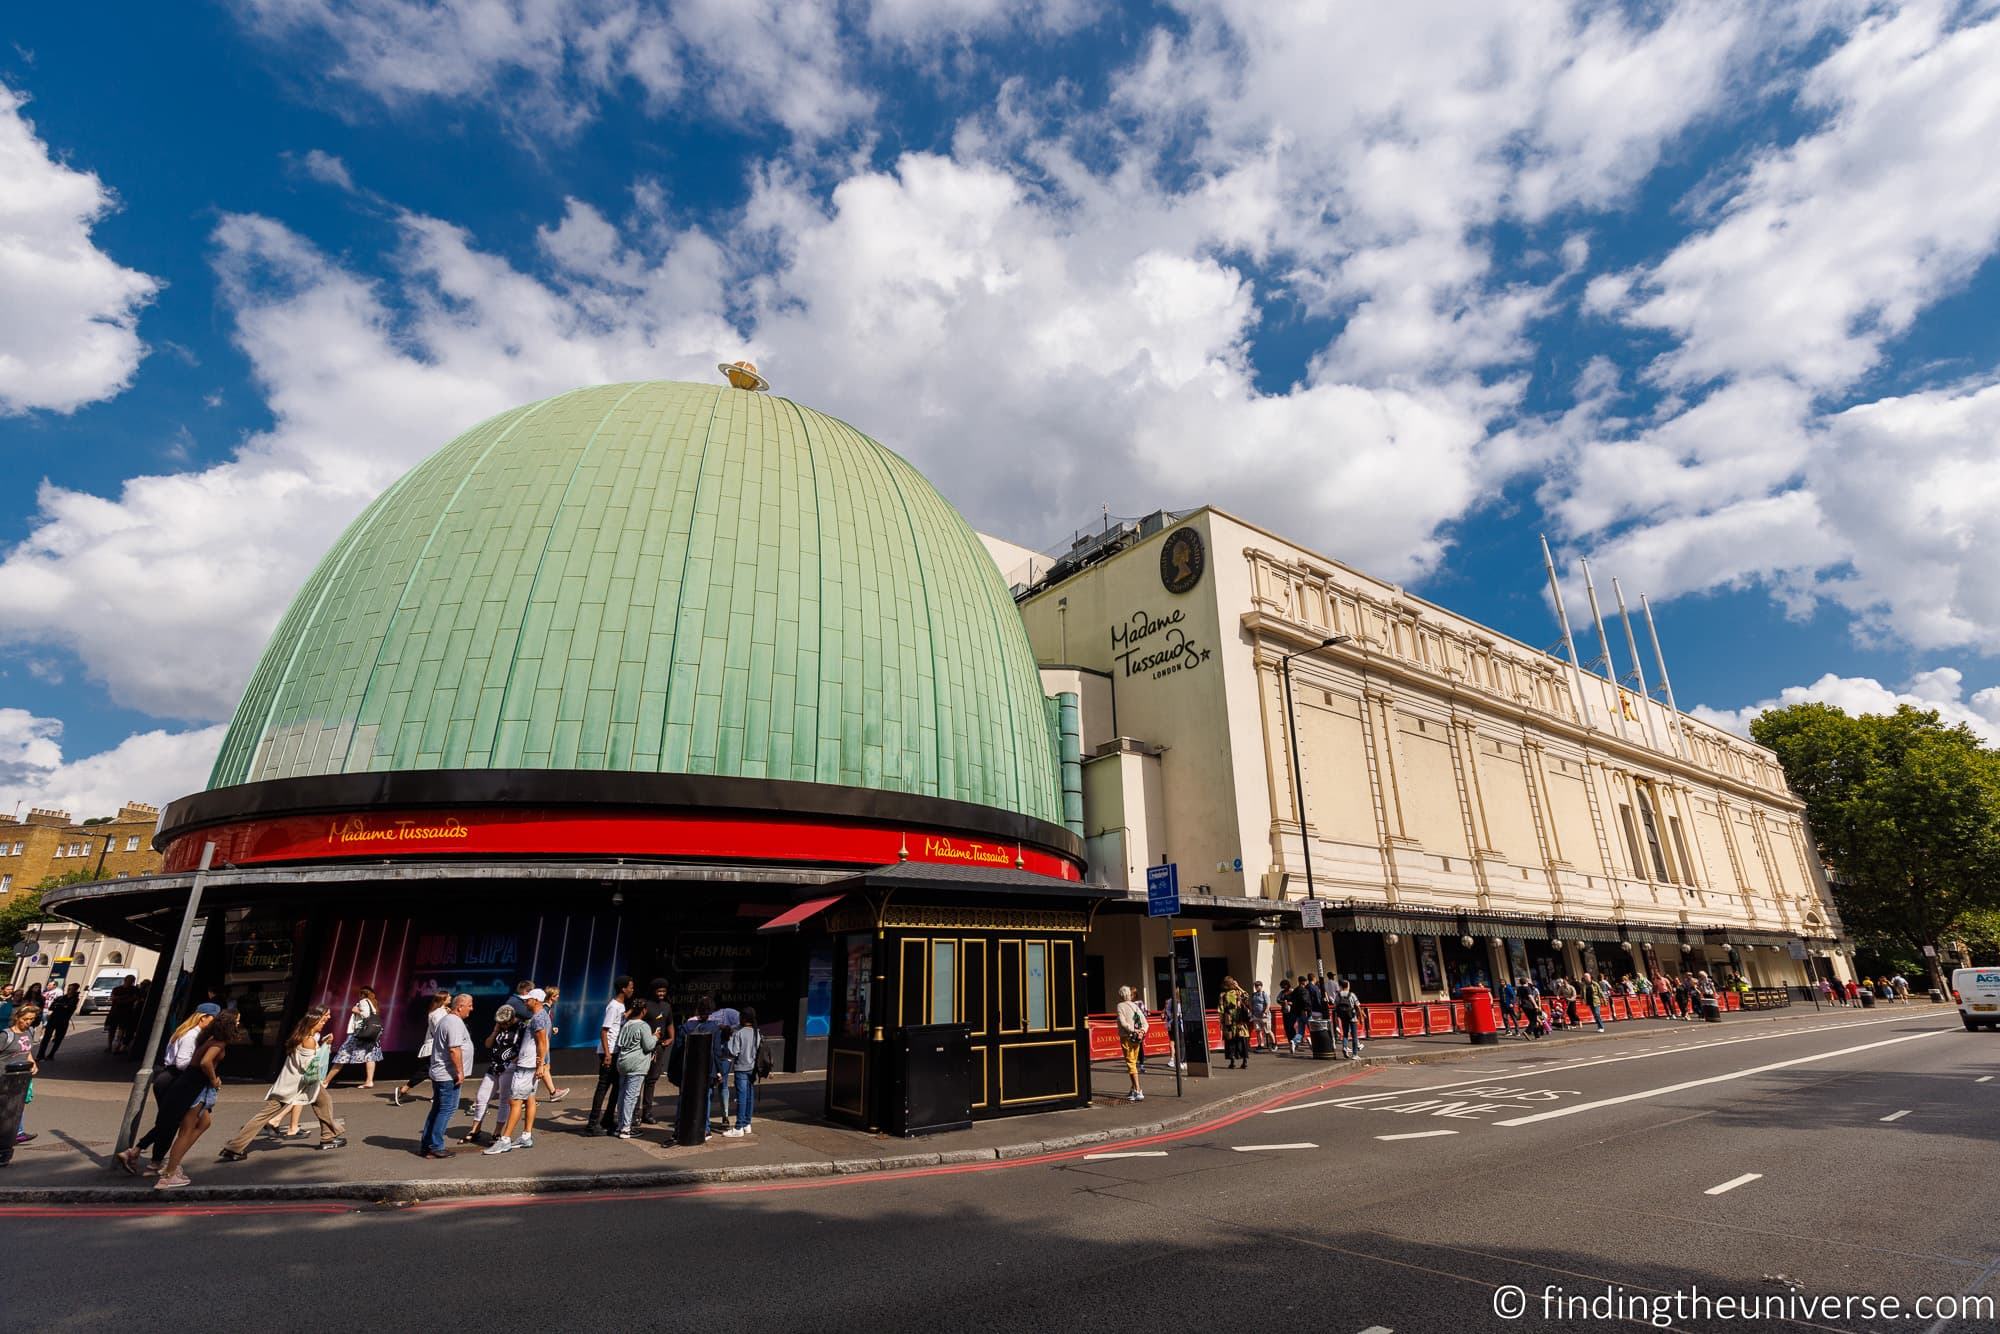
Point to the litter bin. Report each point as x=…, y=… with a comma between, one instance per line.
x=1867, y=999
x=691, y=1111
x=1480, y=1024
x=13, y=1102
x=1321, y=1032
x=1711, y=1009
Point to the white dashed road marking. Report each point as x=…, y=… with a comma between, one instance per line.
x=1665, y=1089
x=1984, y=1079
x=1897, y=1116
x=1733, y=1183
x=1133, y=1153
x=1263, y=1148
x=1419, y=1134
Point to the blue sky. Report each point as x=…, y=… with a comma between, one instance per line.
x=1703, y=291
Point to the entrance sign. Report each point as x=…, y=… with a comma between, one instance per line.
x=1187, y=991
x=1163, y=890
x=1311, y=916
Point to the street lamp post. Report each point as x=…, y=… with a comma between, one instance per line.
x=167, y=980
x=1298, y=783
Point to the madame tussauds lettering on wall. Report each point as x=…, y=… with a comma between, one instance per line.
x=1148, y=644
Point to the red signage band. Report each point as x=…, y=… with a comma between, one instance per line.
x=557, y=832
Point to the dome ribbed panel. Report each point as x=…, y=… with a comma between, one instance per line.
x=658, y=577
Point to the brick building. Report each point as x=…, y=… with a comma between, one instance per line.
x=46, y=843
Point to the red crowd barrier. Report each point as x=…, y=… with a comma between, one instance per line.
x=1377, y=1021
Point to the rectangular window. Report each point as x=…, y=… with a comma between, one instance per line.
x=1681, y=847
x=83, y=849
x=857, y=958
x=17, y=848
x=59, y=850
x=944, y=982
x=1631, y=833
x=132, y=843
x=1653, y=837
x=1038, y=984
x=6, y=883
x=1007, y=960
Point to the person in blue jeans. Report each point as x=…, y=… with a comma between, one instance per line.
x=742, y=1049
x=451, y=1061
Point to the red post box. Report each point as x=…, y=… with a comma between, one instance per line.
x=1480, y=1023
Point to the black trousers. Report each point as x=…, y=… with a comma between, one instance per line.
x=52, y=1038
x=604, y=1098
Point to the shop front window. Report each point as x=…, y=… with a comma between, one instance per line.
x=944, y=981
x=1038, y=984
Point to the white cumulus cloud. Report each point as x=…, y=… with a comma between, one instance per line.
x=1941, y=689
x=153, y=767
x=69, y=313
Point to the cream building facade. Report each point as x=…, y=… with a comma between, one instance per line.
x=1473, y=805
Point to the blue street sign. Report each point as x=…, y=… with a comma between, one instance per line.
x=1163, y=890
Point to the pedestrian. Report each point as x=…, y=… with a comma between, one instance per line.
x=632, y=1055
x=1260, y=1013
x=167, y=1089
x=301, y=1083
x=1594, y=998
x=17, y=1048
x=531, y=1059
x=660, y=1014
x=61, y=1010
x=118, y=1018
x=726, y=1019
x=1234, y=1005
x=1534, y=1022
x=501, y=1045
x=203, y=1077
x=450, y=1062
x=1131, y=1039
x=604, y=1098
x=1347, y=1019
x=550, y=995
x=364, y=1039
x=743, y=1047
x=440, y=1004
x=1281, y=1003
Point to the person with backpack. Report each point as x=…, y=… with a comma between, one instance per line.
x=1347, y=1019
x=1131, y=1039
x=1234, y=1005
x=1508, y=1000
x=744, y=1052
x=1260, y=1013
x=300, y=1083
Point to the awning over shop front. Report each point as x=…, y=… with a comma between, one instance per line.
x=793, y=918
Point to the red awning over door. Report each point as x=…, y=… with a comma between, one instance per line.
x=791, y=919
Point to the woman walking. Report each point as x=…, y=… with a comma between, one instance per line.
x=1235, y=1007
x=300, y=1083
x=204, y=1077
x=17, y=1048
x=364, y=1040
x=502, y=1044
x=548, y=1081
x=168, y=1104
x=440, y=1002
x=633, y=1056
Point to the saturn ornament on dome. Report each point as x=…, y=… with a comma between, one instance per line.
x=743, y=375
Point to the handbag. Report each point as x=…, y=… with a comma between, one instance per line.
x=369, y=1029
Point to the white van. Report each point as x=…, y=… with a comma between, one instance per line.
x=1978, y=993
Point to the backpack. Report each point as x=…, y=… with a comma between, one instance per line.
x=1344, y=1005
x=763, y=1063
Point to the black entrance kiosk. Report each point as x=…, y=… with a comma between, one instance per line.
x=994, y=953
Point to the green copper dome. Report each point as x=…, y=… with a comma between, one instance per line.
x=658, y=577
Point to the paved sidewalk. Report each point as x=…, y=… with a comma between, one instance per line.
x=80, y=1097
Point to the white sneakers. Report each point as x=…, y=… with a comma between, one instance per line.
x=501, y=1145
x=1135, y=1096
x=736, y=1132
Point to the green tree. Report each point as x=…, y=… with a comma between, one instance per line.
x=1905, y=810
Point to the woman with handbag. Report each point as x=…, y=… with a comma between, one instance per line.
x=204, y=1078
x=300, y=1083
x=364, y=1040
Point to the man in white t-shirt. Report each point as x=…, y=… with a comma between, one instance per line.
x=1131, y=1038
x=604, y=1098
x=529, y=1062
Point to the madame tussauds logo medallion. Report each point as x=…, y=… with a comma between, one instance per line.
x=1181, y=560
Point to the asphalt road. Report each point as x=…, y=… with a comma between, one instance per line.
x=1845, y=1160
